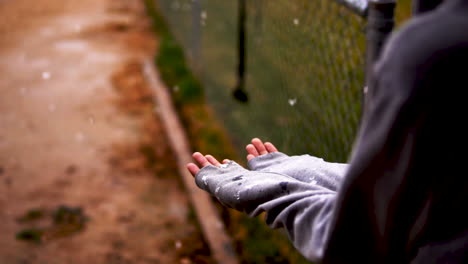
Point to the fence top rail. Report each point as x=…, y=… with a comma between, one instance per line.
x=360, y=7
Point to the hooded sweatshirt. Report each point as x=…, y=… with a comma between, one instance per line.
x=403, y=196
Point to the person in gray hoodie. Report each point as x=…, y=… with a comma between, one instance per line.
x=403, y=196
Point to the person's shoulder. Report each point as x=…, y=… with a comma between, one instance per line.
x=425, y=35
x=413, y=34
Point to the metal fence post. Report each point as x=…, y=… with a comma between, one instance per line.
x=239, y=91
x=421, y=6
x=196, y=36
x=380, y=23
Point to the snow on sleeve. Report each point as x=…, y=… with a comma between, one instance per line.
x=304, y=168
x=302, y=209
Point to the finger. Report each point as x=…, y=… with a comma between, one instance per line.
x=270, y=147
x=259, y=146
x=250, y=156
x=212, y=160
x=200, y=159
x=252, y=150
x=193, y=169
x=225, y=161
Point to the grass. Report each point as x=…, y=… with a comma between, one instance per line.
x=187, y=92
x=43, y=225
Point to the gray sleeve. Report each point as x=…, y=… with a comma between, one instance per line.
x=302, y=209
x=304, y=168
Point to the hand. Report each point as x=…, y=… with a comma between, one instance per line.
x=258, y=148
x=203, y=161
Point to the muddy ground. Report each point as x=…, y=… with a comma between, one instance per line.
x=86, y=173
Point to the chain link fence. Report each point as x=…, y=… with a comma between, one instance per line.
x=304, y=69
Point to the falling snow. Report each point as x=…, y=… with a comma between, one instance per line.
x=46, y=75
x=178, y=244
x=366, y=89
x=237, y=196
x=203, y=17
x=292, y=101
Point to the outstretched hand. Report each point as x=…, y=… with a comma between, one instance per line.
x=258, y=148
x=203, y=161
x=255, y=149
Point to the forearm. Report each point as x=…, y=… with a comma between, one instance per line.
x=303, y=209
x=304, y=168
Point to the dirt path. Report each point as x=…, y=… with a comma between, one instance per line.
x=86, y=174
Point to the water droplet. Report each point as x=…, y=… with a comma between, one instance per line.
x=203, y=15
x=292, y=101
x=296, y=21
x=366, y=89
x=46, y=75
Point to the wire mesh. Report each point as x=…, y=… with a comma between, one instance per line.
x=304, y=70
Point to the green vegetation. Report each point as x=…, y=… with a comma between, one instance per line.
x=32, y=215
x=402, y=12
x=44, y=225
x=33, y=235
x=204, y=132
x=171, y=62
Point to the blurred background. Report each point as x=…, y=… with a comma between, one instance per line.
x=304, y=69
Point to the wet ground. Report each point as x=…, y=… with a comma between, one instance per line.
x=86, y=173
